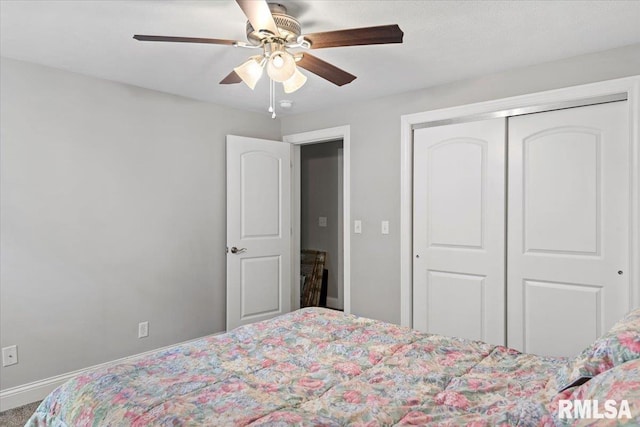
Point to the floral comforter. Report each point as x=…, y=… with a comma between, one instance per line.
x=312, y=367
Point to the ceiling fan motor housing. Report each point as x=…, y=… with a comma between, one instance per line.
x=288, y=26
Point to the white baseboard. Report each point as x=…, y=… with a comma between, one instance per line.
x=32, y=392
x=334, y=303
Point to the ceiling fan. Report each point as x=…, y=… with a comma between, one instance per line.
x=270, y=29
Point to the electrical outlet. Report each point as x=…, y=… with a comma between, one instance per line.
x=143, y=329
x=322, y=221
x=357, y=226
x=10, y=355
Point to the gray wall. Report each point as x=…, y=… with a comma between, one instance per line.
x=113, y=212
x=321, y=190
x=113, y=204
x=375, y=157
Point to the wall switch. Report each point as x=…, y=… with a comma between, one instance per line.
x=143, y=329
x=357, y=226
x=10, y=355
x=385, y=227
x=322, y=221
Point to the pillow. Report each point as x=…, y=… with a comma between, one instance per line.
x=607, y=392
x=621, y=344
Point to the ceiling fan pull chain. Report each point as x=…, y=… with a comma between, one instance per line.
x=270, y=95
x=272, y=98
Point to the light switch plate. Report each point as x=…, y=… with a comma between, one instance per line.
x=322, y=221
x=143, y=329
x=357, y=226
x=384, y=227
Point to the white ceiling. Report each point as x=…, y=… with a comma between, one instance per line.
x=444, y=41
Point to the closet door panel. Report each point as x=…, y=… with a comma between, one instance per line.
x=467, y=290
x=454, y=210
x=459, y=204
x=560, y=208
x=555, y=297
x=568, y=225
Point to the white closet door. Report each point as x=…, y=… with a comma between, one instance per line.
x=568, y=227
x=459, y=226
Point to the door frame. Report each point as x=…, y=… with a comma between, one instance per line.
x=313, y=137
x=541, y=101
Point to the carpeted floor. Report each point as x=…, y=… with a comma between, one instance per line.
x=17, y=417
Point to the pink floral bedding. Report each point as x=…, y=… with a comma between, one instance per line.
x=313, y=367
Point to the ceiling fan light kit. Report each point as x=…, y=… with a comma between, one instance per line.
x=251, y=70
x=271, y=29
x=281, y=65
x=295, y=82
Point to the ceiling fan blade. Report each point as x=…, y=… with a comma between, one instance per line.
x=259, y=14
x=383, y=34
x=325, y=70
x=231, y=78
x=147, y=38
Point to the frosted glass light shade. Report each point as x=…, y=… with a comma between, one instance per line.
x=281, y=66
x=250, y=71
x=295, y=82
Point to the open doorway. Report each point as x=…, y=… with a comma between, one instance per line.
x=321, y=214
x=297, y=141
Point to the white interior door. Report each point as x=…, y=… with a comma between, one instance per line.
x=568, y=232
x=258, y=229
x=459, y=226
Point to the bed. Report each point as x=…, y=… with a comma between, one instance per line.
x=322, y=367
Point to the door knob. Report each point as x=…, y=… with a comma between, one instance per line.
x=235, y=250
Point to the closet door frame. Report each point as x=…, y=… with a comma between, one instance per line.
x=606, y=91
